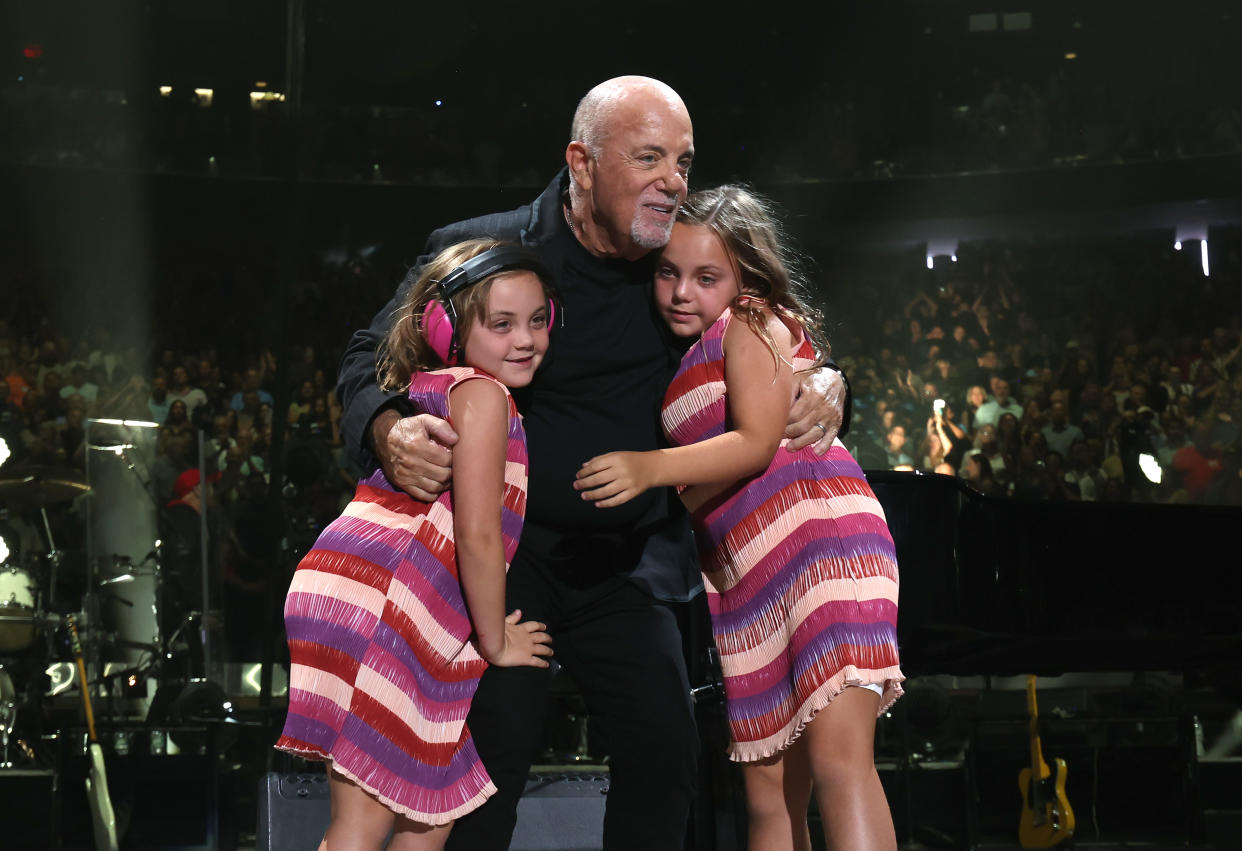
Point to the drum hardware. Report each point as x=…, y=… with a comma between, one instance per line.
x=42, y=486
x=8, y=716
x=17, y=607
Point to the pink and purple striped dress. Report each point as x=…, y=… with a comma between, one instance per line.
x=799, y=567
x=382, y=667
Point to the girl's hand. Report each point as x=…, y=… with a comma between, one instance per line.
x=526, y=643
x=615, y=478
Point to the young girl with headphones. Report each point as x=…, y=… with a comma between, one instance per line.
x=798, y=563
x=386, y=650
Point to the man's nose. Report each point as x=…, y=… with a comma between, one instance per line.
x=676, y=182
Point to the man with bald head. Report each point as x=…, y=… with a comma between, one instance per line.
x=600, y=579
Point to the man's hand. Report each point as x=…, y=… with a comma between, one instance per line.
x=816, y=413
x=415, y=452
x=614, y=478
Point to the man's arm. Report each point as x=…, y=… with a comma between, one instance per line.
x=357, y=386
x=380, y=429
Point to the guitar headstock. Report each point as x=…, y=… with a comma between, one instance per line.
x=73, y=635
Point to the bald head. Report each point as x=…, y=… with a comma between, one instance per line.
x=593, y=117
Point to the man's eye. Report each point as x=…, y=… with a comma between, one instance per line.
x=683, y=165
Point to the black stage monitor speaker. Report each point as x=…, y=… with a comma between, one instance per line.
x=293, y=812
x=557, y=812
x=561, y=812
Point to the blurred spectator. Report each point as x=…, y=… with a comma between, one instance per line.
x=894, y=447
x=180, y=390
x=250, y=385
x=176, y=439
x=1060, y=434
x=80, y=385
x=1001, y=402
x=159, y=401
x=1199, y=462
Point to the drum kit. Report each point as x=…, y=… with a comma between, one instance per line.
x=117, y=610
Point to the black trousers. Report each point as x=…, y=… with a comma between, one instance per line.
x=624, y=650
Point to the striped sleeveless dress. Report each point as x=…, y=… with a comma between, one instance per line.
x=382, y=669
x=799, y=568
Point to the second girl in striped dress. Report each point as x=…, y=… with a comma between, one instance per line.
x=797, y=559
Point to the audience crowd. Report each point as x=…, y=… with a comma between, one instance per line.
x=1105, y=371
x=1059, y=366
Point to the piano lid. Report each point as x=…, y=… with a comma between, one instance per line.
x=993, y=585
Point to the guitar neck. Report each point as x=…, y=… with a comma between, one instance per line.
x=86, y=692
x=1039, y=768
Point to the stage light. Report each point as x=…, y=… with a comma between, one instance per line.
x=5, y=454
x=1151, y=468
x=1071, y=55
x=131, y=423
x=1203, y=256
x=1177, y=246
x=4, y=549
x=165, y=91
x=940, y=246
x=439, y=102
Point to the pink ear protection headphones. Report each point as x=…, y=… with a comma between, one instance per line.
x=439, y=320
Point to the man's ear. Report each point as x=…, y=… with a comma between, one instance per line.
x=578, y=158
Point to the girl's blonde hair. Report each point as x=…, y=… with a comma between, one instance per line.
x=405, y=350
x=746, y=223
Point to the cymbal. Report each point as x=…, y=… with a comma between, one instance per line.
x=41, y=486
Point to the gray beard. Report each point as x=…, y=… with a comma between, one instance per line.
x=648, y=237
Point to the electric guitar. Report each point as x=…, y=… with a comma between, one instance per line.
x=1047, y=819
x=102, y=818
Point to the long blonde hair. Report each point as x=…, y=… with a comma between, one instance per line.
x=747, y=225
x=405, y=350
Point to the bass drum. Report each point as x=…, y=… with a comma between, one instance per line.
x=17, y=607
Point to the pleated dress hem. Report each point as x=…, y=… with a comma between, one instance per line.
x=436, y=819
x=889, y=679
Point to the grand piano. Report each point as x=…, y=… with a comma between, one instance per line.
x=994, y=585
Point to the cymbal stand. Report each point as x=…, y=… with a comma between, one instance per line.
x=54, y=556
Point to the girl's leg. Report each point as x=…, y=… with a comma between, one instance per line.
x=778, y=792
x=359, y=822
x=415, y=836
x=840, y=747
